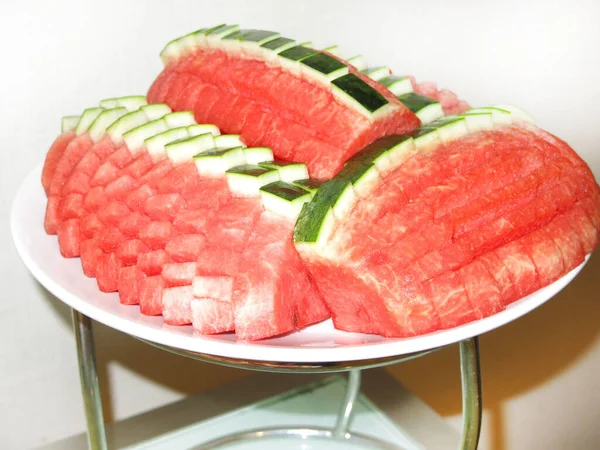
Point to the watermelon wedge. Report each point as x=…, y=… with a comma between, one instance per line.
x=140, y=217
x=459, y=227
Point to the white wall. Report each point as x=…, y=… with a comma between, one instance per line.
x=540, y=373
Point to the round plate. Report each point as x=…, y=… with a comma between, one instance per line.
x=319, y=343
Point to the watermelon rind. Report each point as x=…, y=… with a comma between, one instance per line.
x=397, y=85
x=358, y=62
x=86, y=119
x=68, y=123
x=97, y=129
x=228, y=141
x=184, y=150
x=155, y=145
x=246, y=180
x=284, y=198
x=256, y=155
x=203, y=128
x=215, y=162
x=377, y=73
x=288, y=171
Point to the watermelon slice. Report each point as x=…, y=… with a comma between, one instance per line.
x=281, y=105
x=452, y=244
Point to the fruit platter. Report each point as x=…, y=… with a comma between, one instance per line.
x=267, y=200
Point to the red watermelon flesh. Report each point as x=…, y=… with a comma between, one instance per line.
x=121, y=187
x=129, y=285
x=150, y=298
x=210, y=316
x=73, y=152
x=53, y=157
x=178, y=274
x=220, y=261
x=441, y=172
x=110, y=168
x=68, y=238
x=353, y=300
x=88, y=165
x=129, y=250
x=272, y=284
x=151, y=263
x=164, y=206
x=440, y=201
x=481, y=288
x=450, y=300
x=186, y=247
x=90, y=254
x=177, y=305
x=131, y=223
x=318, y=115
x=76, y=169
x=90, y=224
x=94, y=199
x=502, y=227
x=107, y=272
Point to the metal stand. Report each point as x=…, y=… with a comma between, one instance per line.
x=88, y=375
x=471, y=396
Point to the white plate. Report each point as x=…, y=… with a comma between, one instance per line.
x=319, y=343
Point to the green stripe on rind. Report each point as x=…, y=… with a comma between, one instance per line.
x=312, y=185
x=297, y=53
x=214, y=35
x=279, y=44
x=374, y=151
x=313, y=214
x=286, y=191
x=260, y=37
x=250, y=170
x=360, y=92
x=426, y=109
x=284, y=199
x=416, y=102
x=325, y=65
x=246, y=180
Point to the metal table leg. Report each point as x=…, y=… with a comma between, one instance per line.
x=471, y=393
x=343, y=420
x=89, y=381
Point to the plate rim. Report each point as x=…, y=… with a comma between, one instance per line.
x=254, y=351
